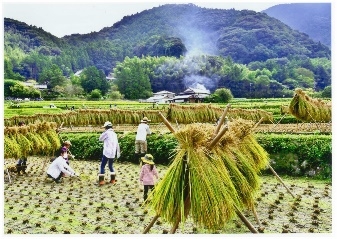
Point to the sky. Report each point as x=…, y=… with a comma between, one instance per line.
x=70, y=17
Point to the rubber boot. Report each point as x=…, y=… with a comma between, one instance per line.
x=101, y=179
x=113, y=177
x=137, y=157
x=23, y=169
x=18, y=169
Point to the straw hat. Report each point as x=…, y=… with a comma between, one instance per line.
x=107, y=123
x=145, y=120
x=148, y=158
x=67, y=142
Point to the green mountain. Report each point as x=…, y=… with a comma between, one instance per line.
x=313, y=19
x=172, y=30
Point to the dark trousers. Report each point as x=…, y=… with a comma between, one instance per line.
x=146, y=190
x=55, y=179
x=103, y=163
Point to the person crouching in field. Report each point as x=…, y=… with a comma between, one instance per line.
x=111, y=150
x=148, y=173
x=66, y=144
x=59, y=167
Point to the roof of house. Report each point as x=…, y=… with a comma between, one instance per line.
x=196, y=91
x=163, y=92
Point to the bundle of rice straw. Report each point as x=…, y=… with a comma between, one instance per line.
x=210, y=183
x=307, y=109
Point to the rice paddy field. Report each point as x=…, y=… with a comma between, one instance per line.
x=34, y=204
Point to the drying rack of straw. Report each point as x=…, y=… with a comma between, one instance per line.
x=213, y=176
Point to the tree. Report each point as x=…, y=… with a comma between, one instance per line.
x=132, y=79
x=53, y=76
x=224, y=95
x=21, y=91
x=96, y=94
x=91, y=79
x=326, y=92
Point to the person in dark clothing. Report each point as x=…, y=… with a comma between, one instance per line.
x=21, y=164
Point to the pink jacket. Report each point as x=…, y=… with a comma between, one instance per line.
x=147, y=176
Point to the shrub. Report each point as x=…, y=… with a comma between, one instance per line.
x=294, y=155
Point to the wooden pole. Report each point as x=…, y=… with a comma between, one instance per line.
x=169, y=126
x=255, y=215
x=245, y=220
x=278, y=177
x=222, y=119
x=175, y=227
x=217, y=138
x=147, y=229
x=270, y=167
x=257, y=124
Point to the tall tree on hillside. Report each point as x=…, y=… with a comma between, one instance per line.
x=92, y=78
x=52, y=76
x=132, y=79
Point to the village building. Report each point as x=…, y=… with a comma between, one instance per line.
x=191, y=95
x=162, y=97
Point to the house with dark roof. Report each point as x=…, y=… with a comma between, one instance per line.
x=191, y=95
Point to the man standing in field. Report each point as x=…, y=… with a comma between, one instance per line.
x=141, y=144
x=111, y=149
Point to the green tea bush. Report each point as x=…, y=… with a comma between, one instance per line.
x=290, y=154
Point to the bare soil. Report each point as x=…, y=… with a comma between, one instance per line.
x=34, y=204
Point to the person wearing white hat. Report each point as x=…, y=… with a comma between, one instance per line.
x=111, y=150
x=140, y=143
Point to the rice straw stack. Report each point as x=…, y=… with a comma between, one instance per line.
x=208, y=183
x=29, y=140
x=308, y=109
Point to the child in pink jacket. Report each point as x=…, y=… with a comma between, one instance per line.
x=147, y=174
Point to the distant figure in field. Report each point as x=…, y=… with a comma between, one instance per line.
x=141, y=144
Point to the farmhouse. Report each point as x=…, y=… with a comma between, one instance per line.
x=161, y=97
x=36, y=86
x=191, y=95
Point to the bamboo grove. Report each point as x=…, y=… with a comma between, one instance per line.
x=175, y=113
x=210, y=184
x=32, y=139
x=308, y=109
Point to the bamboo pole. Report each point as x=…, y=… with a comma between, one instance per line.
x=175, y=227
x=147, y=229
x=257, y=124
x=270, y=167
x=245, y=220
x=280, y=120
x=222, y=119
x=169, y=126
x=256, y=216
x=278, y=177
x=217, y=137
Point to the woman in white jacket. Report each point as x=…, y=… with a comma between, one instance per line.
x=59, y=167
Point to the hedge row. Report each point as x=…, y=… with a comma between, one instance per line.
x=293, y=155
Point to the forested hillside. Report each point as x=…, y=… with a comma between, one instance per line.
x=313, y=19
x=239, y=50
